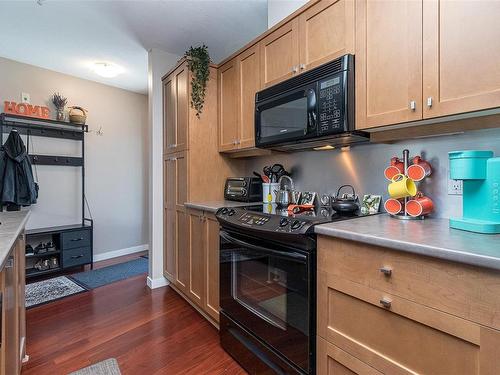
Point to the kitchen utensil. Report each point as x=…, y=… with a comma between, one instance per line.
x=397, y=167
x=419, y=170
x=419, y=206
x=278, y=171
x=347, y=203
x=284, y=193
x=401, y=187
x=393, y=206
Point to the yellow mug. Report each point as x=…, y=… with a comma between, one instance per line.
x=401, y=187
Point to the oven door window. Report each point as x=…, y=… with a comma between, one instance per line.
x=273, y=288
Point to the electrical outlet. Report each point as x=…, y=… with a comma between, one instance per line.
x=25, y=98
x=455, y=187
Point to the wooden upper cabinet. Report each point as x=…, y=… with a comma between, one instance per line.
x=175, y=112
x=279, y=54
x=249, y=84
x=326, y=32
x=228, y=105
x=461, y=57
x=388, y=62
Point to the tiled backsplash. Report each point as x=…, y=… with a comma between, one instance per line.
x=363, y=166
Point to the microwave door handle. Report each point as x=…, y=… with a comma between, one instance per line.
x=236, y=241
x=311, y=108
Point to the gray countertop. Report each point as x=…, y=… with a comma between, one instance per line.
x=430, y=237
x=12, y=225
x=213, y=206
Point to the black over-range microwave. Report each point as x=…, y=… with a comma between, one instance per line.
x=312, y=110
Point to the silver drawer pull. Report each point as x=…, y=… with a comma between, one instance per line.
x=77, y=239
x=387, y=271
x=77, y=256
x=386, y=302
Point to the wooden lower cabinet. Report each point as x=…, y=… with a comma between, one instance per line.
x=13, y=323
x=196, y=251
x=369, y=330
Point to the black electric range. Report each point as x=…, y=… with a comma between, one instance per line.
x=268, y=286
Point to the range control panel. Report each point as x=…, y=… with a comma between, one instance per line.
x=331, y=105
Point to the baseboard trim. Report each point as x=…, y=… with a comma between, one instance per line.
x=157, y=283
x=120, y=252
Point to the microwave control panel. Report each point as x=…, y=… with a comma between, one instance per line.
x=330, y=105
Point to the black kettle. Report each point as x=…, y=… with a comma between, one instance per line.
x=345, y=204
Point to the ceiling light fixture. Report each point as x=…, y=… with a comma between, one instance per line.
x=107, y=70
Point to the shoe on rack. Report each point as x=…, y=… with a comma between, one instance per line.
x=50, y=246
x=40, y=248
x=54, y=262
x=29, y=250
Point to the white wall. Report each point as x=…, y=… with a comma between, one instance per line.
x=116, y=162
x=279, y=9
x=159, y=63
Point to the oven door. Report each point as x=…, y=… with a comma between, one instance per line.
x=268, y=290
x=286, y=117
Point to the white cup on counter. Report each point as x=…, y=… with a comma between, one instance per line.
x=269, y=188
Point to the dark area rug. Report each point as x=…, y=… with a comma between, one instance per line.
x=107, y=275
x=50, y=290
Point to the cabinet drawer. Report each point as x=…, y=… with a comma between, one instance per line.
x=403, y=337
x=469, y=292
x=76, y=257
x=78, y=238
x=331, y=360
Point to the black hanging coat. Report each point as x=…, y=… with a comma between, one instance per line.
x=17, y=185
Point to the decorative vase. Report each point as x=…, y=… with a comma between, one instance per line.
x=60, y=114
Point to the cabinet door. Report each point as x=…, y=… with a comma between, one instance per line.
x=181, y=108
x=182, y=252
x=181, y=182
x=228, y=106
x=212, y=268
x=197, y=234
x=326, y=31
x=279, y=54
x=169, y=115
x=461, y=59
x=388, y=62
x=169, y=243
x=249, y=84
x=10, y=319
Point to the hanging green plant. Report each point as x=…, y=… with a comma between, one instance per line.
x=198, y=63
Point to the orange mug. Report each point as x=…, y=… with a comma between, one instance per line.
x=419, y=170
x=393, y=206
x=419, y=206
x=396, y=167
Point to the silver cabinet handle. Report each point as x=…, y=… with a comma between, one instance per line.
x=238, y=141
x=387, y=271
x=295, y=69
x=429, y=101
x=76, y=239
x=413, y=105
x=302, y=66
x=386, y=302
x=77, y=256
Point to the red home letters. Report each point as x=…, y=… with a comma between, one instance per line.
x=26, y=109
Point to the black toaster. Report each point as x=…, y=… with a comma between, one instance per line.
x=243, y=189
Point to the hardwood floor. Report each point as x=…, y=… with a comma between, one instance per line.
x=147, y=331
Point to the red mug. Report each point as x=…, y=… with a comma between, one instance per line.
x=393, y=206
x=419, y=170
x=419, y=206
x=396, y=167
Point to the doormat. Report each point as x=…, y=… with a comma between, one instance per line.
x=107, y=367
x=107, y=275
x=50, y=290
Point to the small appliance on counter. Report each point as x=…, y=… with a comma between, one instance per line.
x=480, y=173
x=243, y=189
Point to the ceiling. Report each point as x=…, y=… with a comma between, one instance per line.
x=69, y=36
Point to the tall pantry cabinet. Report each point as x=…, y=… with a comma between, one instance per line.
x=193, y=171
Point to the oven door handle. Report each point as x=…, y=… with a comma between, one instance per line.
x=226, y=236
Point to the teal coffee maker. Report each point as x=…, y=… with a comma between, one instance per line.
x=480, y=173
